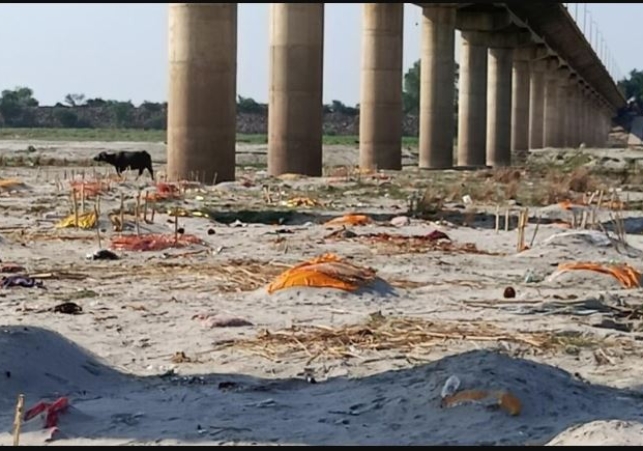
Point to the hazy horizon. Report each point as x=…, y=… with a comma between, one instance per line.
x=119, y=51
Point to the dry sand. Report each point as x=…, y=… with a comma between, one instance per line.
x=114, y=361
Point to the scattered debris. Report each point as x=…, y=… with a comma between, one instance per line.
x=90, y=188
x=11, y=268
x=21, y=281
x=502, y=399
x=509, y=293
x=164, y=191
x=68, y=308
x=85, y=221
x=180, y=357
x=185, y=213
x=11, y=184
x=400, y=221
x=302, y=202
x=103, y=254
x=350, y=219
x=152, y=242
x=436, y=235
x=404, y=244
x=342, y=233
x=451, y=386
x=227, y=385
x=212, y=321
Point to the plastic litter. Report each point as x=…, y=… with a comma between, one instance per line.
x=451, y=386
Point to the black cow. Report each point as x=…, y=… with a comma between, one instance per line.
x=138, y=160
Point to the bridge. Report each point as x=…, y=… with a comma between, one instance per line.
x=529, y=79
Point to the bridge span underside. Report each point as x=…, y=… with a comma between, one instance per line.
x=528, y=79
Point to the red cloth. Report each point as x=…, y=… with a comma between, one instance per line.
x=53, y=409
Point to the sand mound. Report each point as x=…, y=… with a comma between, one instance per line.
x=394, y=407
x=39, y=363
x=601, y=433
x=552, y=400
x=578, y=246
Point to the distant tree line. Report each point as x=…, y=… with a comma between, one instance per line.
x=19, y=107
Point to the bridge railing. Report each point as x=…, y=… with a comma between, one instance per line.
x=582, y=15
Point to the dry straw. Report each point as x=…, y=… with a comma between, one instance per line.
x=377, y=334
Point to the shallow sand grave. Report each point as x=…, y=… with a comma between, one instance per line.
x=142, y=363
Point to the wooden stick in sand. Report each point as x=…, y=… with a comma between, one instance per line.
x=497, y=218
x=522, y=224
x=533, y=237
x=122, y=214
x=591, y=198
x=176, y=225
x=583, y=220
x=145, y=207
x=521, y=236
x=507, y=220
x=97, y=224
x=600, y=199
x=75, y=206
x=82, y=196
x=138, y=213
x=153, y=211
x=17, y=421
x=599, y=205
x=613, y=200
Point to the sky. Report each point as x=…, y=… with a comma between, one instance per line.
x=119, y=50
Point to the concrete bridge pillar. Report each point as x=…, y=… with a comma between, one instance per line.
x=595, y=122
x=499, y=90
x=552, y=112
x=570, y=119
x=520, y=99
x=578, y=115
x=604, y=127
x=502, y=48
x=472, y=115
x=571, y=112
x=599, y=126
x=608, y=124
x=538, y=69
x=592, y=121
x=437, y=89
x=201, y=122
x=583, y=115
x=591, y=118
x=381, y=111
x=561, y=124
x=295, y=111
